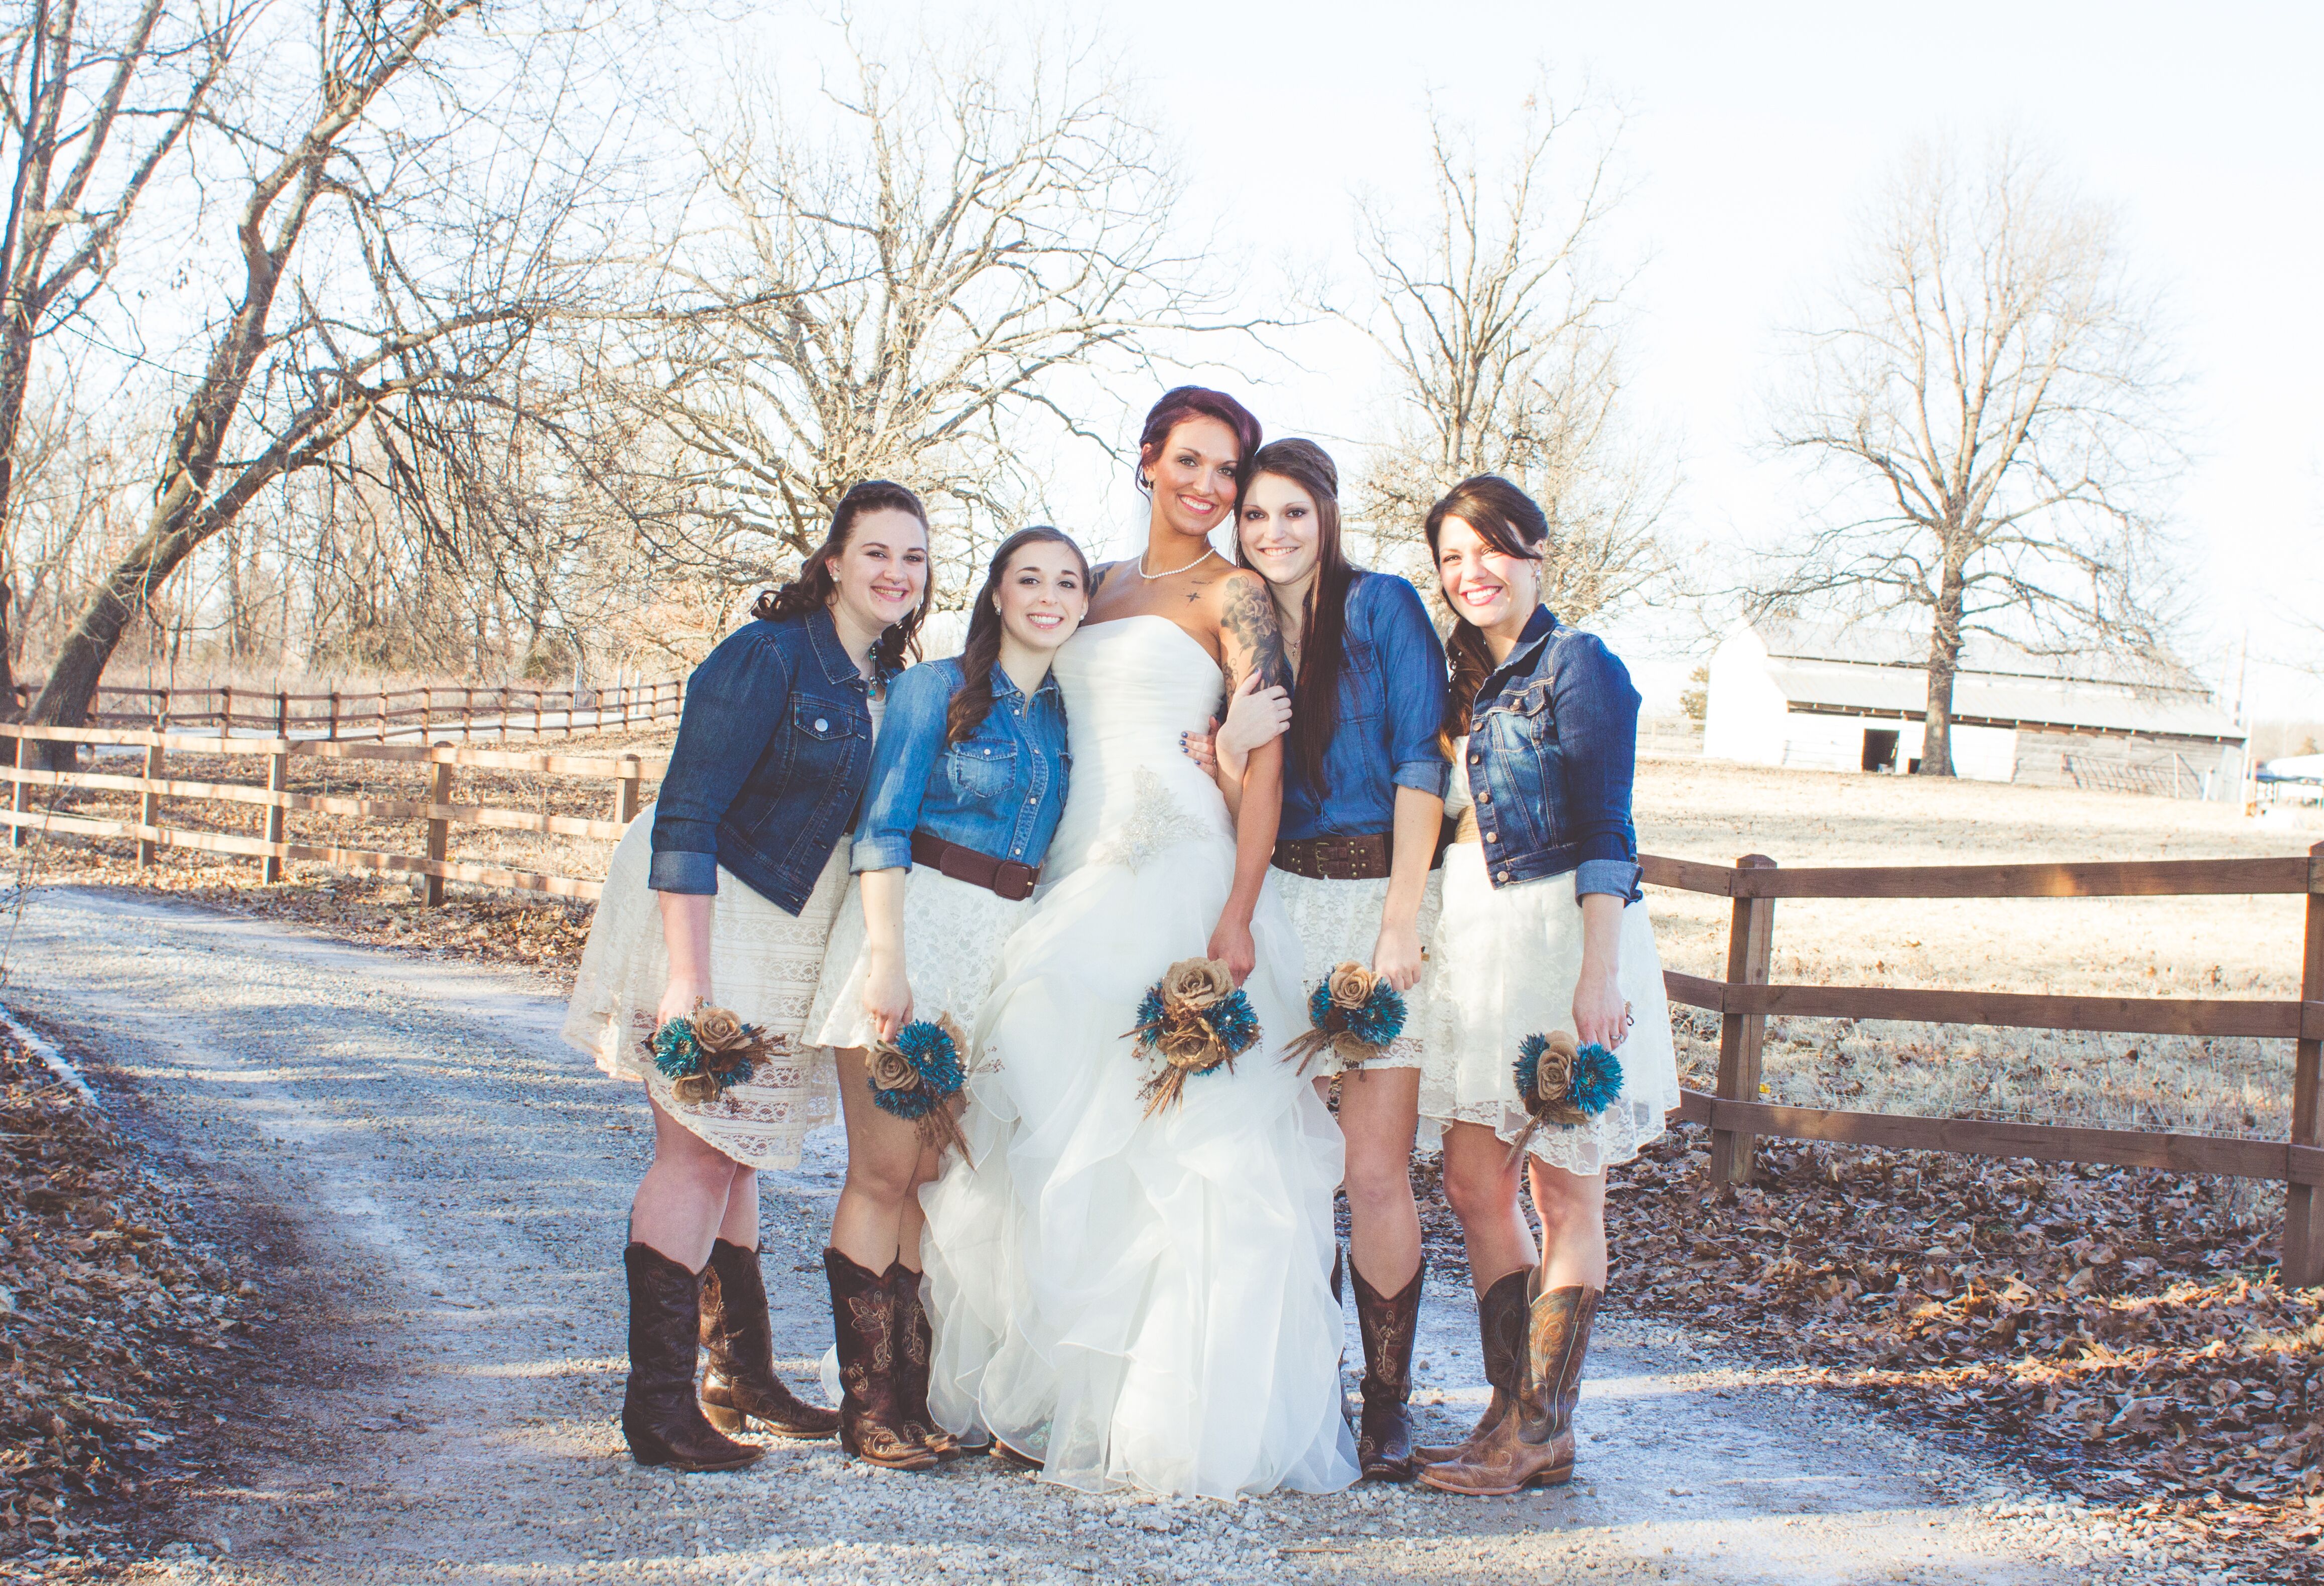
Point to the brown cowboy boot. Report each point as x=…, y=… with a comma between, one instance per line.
x=740, y=1387
x=863, y=1316
x=660, y=1417
x=1501, y=1326
x=1384, y=1429
x=916, y=1344
x=1534, y=1445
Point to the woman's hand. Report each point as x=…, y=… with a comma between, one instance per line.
x=1256, y=714
x=1202, y=748
x=887, y=995
x=1599, y=1014
x=684, y=994
x=1396, y=957
x=1231, y=946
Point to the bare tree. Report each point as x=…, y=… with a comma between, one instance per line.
x=402, y=293
x=902, y=298
x=1501, y=331
x=1990, y=402
x=95, y=99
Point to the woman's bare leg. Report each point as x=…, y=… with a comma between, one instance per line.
x=1482, y=1188
x=883, y=1176
x=1572, y=1211
x=1380, y=1109
x=685, y=1198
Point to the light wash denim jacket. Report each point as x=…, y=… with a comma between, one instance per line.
x=1000, y=790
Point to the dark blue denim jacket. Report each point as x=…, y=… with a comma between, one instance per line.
x=1552, y=747
x=773, y=750
x=1391, y=706
x=1000, y=790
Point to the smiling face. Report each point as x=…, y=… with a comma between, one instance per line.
x=879, y=579
x=1192, y=475
x=1281, y=536
x=1485, y=587
x=1043, y=595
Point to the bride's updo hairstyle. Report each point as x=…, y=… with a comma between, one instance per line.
x=1315, y=694
x=814, y=588
x=1194, y=401
x=1510, y=521
x=972, y=702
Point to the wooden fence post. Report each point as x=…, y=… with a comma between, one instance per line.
x=2303, y=1237
x=282, y=714
x=149, y=803
x=225, y=710
x=439, y=791
x=467, y=715
x=1750, y=942
x=625, y=789
x=278, y=782
x=18, y=834
x=335, y=716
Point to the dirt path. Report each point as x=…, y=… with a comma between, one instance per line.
x=450, y=1344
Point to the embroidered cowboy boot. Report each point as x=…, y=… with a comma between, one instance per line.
x=863, y=1316
x=1534, y=1445
x=1501, y=1328
x=914, y=1347
x=1384, y=1428
x=660, y=1417
x=739, y=1388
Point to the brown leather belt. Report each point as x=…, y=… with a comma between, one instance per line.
x=1003, y=878
x=1335, y=859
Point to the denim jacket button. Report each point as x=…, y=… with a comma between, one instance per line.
x=1492, y=836
x=822, y=725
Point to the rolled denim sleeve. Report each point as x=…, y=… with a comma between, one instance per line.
x=732, y=702
x=1598, y=724
x=911, y=737
x=1412, y=679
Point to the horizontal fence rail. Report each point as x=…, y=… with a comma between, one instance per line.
x=378, y=714
x=1743, y=998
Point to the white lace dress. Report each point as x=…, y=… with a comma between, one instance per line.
x=764, y=964
x=1338, y=922
x=1139, y=1300
x=1506, y=961
x=953, y=937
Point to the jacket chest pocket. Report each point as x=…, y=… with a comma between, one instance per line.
x=979, y=772
x=1530, y=713
x=823, y=741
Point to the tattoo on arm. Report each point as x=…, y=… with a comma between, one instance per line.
x=1251, y=641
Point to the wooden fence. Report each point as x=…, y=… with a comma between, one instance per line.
x=1743, y=998
x=381, y=714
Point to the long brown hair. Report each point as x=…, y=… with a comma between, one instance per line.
x=1324, y=625
x=972, y=701
x=1509, y=519
x=812, y=590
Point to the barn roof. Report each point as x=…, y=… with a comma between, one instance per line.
x=1864, y=670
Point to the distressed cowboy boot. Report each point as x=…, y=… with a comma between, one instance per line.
x=863, y=1316
x=740, y=1391
x=1534, y=1445
x=915, y=1345
x=1502, y=1327
x=660, y=1417
x=1384, y=1427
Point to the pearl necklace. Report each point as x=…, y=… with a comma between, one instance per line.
x=1208, y=552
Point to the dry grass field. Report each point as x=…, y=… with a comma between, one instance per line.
x=2146, y=947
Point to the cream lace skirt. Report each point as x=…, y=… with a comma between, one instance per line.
x=1338, y=923
x=952, y=933
x=763, y=964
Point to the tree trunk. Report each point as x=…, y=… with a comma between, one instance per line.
x=80, y=660
x=1944, y=664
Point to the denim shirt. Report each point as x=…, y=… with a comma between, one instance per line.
x=1000, y=790
x=1391, y=705
x=774, y=746
x=1552, y=748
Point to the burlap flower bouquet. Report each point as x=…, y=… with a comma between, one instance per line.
x=708, y=1053
x=917, y=1076
x=1197, y=1020
x=1355, y=1013
x=1563, y=1082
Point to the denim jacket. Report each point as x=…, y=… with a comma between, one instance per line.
x=1391, y=705
x=1552, y=747
x=773, y=750
x=1000, y=790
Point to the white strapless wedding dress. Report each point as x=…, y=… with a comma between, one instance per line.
x=1135, y=1301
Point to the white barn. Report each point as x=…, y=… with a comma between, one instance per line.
x=1854, y=698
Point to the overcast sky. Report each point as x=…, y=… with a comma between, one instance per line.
x=1753, y=135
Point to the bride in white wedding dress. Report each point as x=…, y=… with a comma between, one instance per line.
x=1137, y=1300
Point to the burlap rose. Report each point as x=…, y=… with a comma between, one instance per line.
x=1352, y=985
x=891, y=1070
x=1198, y=982
x=694, y=1088
x=717, y=1029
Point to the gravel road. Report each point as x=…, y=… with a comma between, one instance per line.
x=447, y=1365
